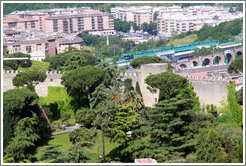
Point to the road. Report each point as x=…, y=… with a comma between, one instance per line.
x=67, y=129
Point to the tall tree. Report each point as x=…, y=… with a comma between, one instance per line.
x=137, y=62
x=171, y=128
x=14, y=64
x=24, y=139
x=17, y=104
x=168, y=83
x=85, y=78
x=138, y=89
x=236, y=65
x=29, y=78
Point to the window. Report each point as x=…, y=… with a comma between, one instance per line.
x=51, y=79
x=25, y=24
x=156, y=100
x=28, y=49
x=32, y=24
x=55, y=27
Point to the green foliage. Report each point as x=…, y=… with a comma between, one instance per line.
x=65, y=116
x=29, y=78
x=85, y=116
x=122, y=120
x=152, y=26
x=223, y=31
x=128, y=85
x=100, y=94
x=17, y=104
x=83, y=134
x=58, y=101
x=23, y=140
x=50, y=152
x=172, y=131
x=212, y=109
x=137, y=62
x=239, y=96
x=72, y=59
x=14, y=64
x=204, y=51
x=8, y=158
x=123, y=26
x=168, y=83
x=37, y=66
x=209, y=146
x=138, y=89
x=236, y=65
x=86, y=78
x=235, y=111
x=132, y=100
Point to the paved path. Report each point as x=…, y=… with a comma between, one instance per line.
x=67, y=129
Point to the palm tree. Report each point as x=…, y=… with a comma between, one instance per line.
x=133, y=99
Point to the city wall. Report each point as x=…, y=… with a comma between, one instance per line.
x=53, y=79
x=210, y=91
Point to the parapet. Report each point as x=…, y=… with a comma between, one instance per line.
x=19, y=71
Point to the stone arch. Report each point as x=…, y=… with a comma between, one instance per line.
x=182, y=66
x=206, y=62
x=195, y=63
x=217, y=60
x=228, y=58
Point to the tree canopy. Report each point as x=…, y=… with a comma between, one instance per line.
x=86, y=78
x=29, y=78
x=169, y=83
x=236, y=65
x=137, y=62
x=14, y=64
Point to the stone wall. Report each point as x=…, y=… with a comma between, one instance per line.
x=210, y=92
x=53, y=79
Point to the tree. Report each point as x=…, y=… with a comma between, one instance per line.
x=236, y=65
x=65, y=116
x=137, y=62
x=128, y=85
x=171, y=127
x=17, y=104
x=50, y=152
x=23, y=140
x=85, y=116
x=235, y=112
x=99, y=95
x=77, y=153
x=82, y=134
x=138, y=89
x=14, y=64
x=133, y=100
x=239, y=96
x=169, y=83
x=29, y=78
x=209, y=146
x=85, y=78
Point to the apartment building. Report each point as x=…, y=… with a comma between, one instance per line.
x=139, y=15
x=192, y=18
x=60, y=20
x=80, y=22
x=37, y=46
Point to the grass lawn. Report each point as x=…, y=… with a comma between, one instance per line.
x=187, y=39
x=37, y=65
x=63, y=140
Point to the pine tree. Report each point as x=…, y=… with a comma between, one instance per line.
x=23, y=140
x=50, y=152
x=171, y=130
x=138, y=89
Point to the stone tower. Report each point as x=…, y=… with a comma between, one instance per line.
x=148, y=69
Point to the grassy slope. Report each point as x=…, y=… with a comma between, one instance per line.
x=54, y=94
x=187, y=39
x=37, y=65
x=63, y=140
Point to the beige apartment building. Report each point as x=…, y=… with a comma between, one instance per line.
x=59, y=20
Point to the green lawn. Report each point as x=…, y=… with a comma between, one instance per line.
x=37, y=65
x=63, y=140
x=188, y=39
